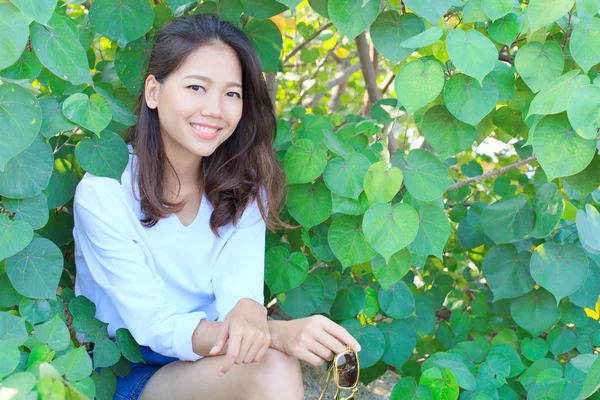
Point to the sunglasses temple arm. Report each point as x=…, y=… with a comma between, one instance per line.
x=326, y=382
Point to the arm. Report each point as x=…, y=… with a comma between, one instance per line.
x=106, y=235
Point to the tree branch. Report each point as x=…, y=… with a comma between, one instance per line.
x=505, y=57
x=492, y=173
x=366, y=65
x=338, y=79
x=307, y=41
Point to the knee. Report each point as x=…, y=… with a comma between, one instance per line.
x=280, y=375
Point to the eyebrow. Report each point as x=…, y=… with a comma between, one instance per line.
x=206, y=78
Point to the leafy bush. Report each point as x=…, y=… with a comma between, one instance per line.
x=468, y=284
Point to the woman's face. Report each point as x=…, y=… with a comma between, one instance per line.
x=200, y=104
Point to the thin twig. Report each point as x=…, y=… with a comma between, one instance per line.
x=568, y=29
x=307, y=41
x=568, y=236
x=492, y=173
x=505, y=57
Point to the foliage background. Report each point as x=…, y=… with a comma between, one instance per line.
x=442, y=160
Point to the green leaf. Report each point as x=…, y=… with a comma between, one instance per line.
x=28, y=173
x=36, y=270
x=61, y=188
x=285, y=271
x=348, y=303
x=559, y=150
x=57, y=46
x=510, y=352
x=591, y=382
x=304, y=162
x=106, y=353
x=588, y=180
x=121, y=20
x=446, y=134
x=431, y=10
x=418, y=83
x=27, y=67
x=345, y=205
x=389, y=229
x=508, y=219
x=12, y=329
x=75, y=365
x=471, y=52
x=554, y=98
x=106, y=383
x=495, y=369
x=13, y=36
x=54, y=333
x=543, y=12
x=266, y=39
x=262, y=9
x=391, y=29
x=424, y=38
x=53, y=119
x=397, y=301
x=92, y=113
x=8, y=295
x=371, y=341
x=584, y=111
x=10, y=356
x=585, y=43
x=40, y=11
x=536, y=311
x=35, y=310
x=348, y=242
x=561, y=269
x=539, y=64
x=506, y=271
x=345, y=177
x=91, y=327
x=434, y=230
x=330, y=284
x=426, y=178
x=505, y=81
x=120, y=112
x=506, y=29
x=561, y=339
x=469, y=101
x=309, y=204
x=130, y=63
x=463, y=376
x=400, y=341
x=382, y=183
x=473, y=12
x=588, y=226
x=128, y=345
x=549, y=205
x=534, y=349
x=425, y=320
x=14, y=236
x=304, y=299
x=387, y=274
x=496, y=9
x=20, y=121
x=81, y=305
x=106, y=155
x=352, y=17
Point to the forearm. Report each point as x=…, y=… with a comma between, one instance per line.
x=276, y=328
x=205, y=337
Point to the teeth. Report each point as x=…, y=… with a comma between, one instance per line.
x=204, y=129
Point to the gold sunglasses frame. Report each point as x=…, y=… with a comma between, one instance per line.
x=336, y=376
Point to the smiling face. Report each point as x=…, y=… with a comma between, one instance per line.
x=200, y=104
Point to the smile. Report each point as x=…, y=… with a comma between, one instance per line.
x=205, y=132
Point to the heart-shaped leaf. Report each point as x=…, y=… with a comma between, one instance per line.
x=471, y=52
x=75, y=365
x=121, y=20
x=390, y=29
x=106, y=155
x=469, y=101
x=418, y=83
x=588, y=180
x=588, y=226
x=431, y=10
x=309, y=204
x=425, y=177
x=14, y=236
x=345, y=177
x=397, y=301
x=424, y=38
x=13, y=36
x=539, y=64
x=445, y=133
x=456, y=364
x=92, y=112
x=40, y=10
x=266, y=39
x=396, y=268
x=347, y=241
x=130, y=63
x=534, y=349
x=584, y=111
x=54, y=333
x=506, y=29
x=542, y=12
x=303, y=300
x=506, y=271
x=12, y=329
x=400, y=341
x=389, y=229
x=128, y=345
x=352, y=17
x=434, y=230
x=554, y=98
x=53, y=119
x=585, y=42
x=348, y=302
x=382, y=183
x=285, y=271
x=548, y=205
x=508, y=219
x=536, y=311
x=304, y=162
x=371, y=340
x=497, y=8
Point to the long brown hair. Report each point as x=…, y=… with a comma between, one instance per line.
x=243, y=167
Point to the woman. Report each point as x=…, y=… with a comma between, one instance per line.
x=175, y=251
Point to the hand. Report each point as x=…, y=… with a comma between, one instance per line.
x=313, y=339
x=246, y=333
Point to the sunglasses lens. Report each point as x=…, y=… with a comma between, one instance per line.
x=348, y=370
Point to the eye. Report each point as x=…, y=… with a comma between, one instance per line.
x=234, y=94
x=196, y=88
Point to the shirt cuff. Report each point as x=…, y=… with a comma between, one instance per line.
x=182, y=336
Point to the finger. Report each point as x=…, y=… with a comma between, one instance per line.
x=310, y=358
x=321, y=351
x=233, y=350
x=246, y=345
x=252, y=352
x=222, y=337
x=329, y=341
x=261, y=353
x=341, y=334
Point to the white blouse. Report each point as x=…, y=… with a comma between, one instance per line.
x=160, y=282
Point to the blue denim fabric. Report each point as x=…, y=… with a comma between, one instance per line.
x=131, y=386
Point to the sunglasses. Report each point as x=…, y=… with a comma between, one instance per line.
x=345, y=369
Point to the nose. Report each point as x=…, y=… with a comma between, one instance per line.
x=212, y=107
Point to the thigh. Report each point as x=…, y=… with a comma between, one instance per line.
x=187, y=380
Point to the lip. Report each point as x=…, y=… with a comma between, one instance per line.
x=204, y=135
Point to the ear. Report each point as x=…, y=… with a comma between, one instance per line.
x=151, y=90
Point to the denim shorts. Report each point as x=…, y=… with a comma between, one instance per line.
x=131, y=386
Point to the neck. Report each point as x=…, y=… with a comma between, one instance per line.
x=187, y=166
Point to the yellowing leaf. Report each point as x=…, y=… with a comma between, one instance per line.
x=342, y=52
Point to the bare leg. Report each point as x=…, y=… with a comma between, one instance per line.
x=276, y=376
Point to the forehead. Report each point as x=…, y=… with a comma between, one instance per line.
x=216, y=61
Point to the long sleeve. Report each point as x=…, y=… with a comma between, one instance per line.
x=108, y=241
x=240, y=266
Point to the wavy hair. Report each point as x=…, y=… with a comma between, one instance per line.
x=243, y=167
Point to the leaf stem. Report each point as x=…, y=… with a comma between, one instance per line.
x=307, y=41
x=492, y=173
